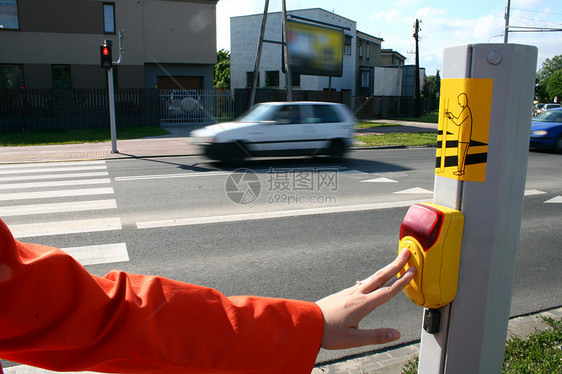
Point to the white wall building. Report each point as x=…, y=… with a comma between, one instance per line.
x=244, y=38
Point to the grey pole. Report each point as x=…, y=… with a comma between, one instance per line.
x=258, y=55
x=506, y=29
x=112, y=126
x=288, y=77
x=473, y=327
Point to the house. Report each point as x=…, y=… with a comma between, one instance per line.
x=362, y=55
x=56, y=43
x=244, y=39
x=368, y=57
x=391, y=58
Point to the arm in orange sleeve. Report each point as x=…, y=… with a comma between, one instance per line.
x=57, y=316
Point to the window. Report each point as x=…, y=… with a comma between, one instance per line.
x=11, y=76
x=272, y=78
x=108, y=18
x=347, y=47
x=61, y=76
x=250, y=77
x=368, y=51
x=365, y=79
x=361, y=50
x=323, y=114
x=9, y=14
x=288, y=114
x=295, y=80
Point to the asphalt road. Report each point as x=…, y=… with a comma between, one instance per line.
x=182, y=218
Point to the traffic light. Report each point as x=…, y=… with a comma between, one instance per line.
x=106, y=58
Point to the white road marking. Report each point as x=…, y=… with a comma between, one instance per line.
x=51, y=169
x=269, y=215
x=533, y=192
x=13, y=178
x=56, y=193
x=99, y=254
x=557, y=200
x=50, y=164
x=74, y=182
x=76, y=206
x=65, y=227
x=170, y=176
x=222, y=173
x=414, y=190
x=380, y=180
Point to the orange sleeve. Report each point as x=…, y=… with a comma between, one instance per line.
x=57, y=316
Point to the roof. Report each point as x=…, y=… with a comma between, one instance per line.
x=363, y=35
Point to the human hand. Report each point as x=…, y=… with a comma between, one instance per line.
x=344, y=310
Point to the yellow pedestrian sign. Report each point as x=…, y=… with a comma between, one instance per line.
x=463, y=129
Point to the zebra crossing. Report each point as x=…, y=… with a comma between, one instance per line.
x=32, y=193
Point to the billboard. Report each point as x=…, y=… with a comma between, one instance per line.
x=315, y=50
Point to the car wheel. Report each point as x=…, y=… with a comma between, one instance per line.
x=336, y=150
x=558, y=145
x=236, y=153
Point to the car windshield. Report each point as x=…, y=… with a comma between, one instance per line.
x=549, y=116
x=261, y=112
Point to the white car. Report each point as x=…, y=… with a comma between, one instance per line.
x=280, y=129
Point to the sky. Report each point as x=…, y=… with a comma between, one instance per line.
x=443, y=23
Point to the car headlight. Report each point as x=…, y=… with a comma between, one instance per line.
x=539, y=132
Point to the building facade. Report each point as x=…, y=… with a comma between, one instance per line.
x=55, y=43
x=362, y=55
x=391, y=58
x=244, y=39
x=368, y=57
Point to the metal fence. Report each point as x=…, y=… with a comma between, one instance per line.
x=179, y=107
x=62, y=108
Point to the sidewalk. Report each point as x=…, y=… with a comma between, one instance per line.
x=392, y=361
x=175, y=144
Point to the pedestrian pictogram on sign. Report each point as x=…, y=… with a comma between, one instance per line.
x=464, y=124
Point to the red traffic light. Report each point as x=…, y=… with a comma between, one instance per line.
x=105, y=57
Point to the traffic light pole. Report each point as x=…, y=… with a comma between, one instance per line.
x=483, y=175
x=107, y=63
x=112, y=125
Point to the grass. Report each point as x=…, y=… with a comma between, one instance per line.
x=45, y=137
x=541, y=352
x=432, y=117
x=407, y=139
x=368, y=125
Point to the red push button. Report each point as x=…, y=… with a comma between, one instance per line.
x=423, y=223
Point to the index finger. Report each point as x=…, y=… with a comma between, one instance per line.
x=381, y=277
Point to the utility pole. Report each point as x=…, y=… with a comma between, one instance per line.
x=289, y=78
x=258, y=55
x=417, y=98
x=506, y=30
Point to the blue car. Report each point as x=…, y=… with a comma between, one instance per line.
x=546, y=130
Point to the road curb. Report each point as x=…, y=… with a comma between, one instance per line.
x=392, y=360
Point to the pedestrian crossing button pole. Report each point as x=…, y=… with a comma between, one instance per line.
x=480, y=171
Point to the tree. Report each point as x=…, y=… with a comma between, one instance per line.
x=551, y=69
x=432, y=86
x=222, y=70
x=554, y=85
